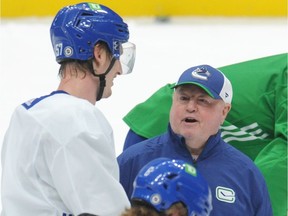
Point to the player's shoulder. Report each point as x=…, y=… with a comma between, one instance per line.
x=60, y=105
x=70, y=104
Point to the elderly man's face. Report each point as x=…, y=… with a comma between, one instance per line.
x=195, y=115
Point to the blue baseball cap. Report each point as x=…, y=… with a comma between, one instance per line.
x=211, y=80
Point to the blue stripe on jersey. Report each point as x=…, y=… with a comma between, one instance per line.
x=32, y=102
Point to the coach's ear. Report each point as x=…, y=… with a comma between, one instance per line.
x=225, y=111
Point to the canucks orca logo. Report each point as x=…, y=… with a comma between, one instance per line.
x=201, y=73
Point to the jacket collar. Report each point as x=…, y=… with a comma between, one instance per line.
x=212, y=144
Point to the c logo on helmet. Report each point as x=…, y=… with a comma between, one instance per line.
x=68, y=51
x=155, y=199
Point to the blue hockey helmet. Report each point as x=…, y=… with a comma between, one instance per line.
x=163, y=182
x=76, y=29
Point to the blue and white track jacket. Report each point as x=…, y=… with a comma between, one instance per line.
x=238, y=188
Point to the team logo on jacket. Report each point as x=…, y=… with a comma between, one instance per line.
x=225, y=194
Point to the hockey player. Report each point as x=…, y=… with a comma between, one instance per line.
x=58, y=155
x=257, y=124
x=168, y=187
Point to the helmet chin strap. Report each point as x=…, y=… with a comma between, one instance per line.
x=102, y=79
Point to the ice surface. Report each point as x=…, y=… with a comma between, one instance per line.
x=164, y=51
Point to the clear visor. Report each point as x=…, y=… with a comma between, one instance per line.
x=127, y=57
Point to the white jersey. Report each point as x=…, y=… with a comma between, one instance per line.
x=58, y=158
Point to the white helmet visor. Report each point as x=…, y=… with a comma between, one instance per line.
x=127, y=57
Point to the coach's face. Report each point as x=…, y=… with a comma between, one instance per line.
x=195, y=115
